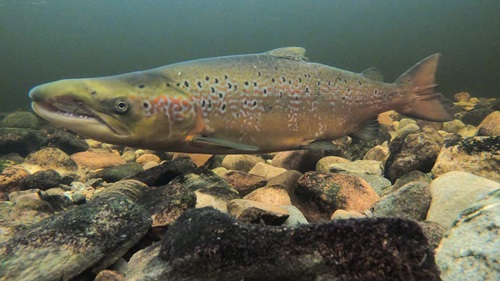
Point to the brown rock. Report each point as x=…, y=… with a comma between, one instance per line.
x=490, y=126
x=323, y=165
x=462, y=96
x=143, y=159
x=242, y=163
x=10, y=180
x=109, y=275
x=343, y=214
x=243, y=182
x=94, y=160
x=265, y=170
x=52, y=158
x=275, y=195
x=378, y=153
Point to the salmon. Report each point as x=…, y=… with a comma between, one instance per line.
x=256, y=103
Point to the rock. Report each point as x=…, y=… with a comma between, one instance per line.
x=89, y=237
x=266, y=171
x=27, y=202
x=133, y=189
x=299, y=160
x=453, y=192
x=198, y=159
x=219, y=248
x=323, y=165
x=490, y=126
x=51, y=158
x=10, y=179
x=433, y=231
x=57, y=202
x=478, y=155
x=405, y=122
x=453, y=126
x=149, y=165
x=116, y=173
x=325, y=193
x=128, y=154
x=415, y=151
x=274, y=195
x=343, y=214
x=288, y=180
x=42, y=180
x=20, y=119
x=243, y=182
x=141, y=160
x=476, y=116
x=378, y=153
x=462, y=96
x=94, y=160
x=67, y=142
x=468, y=131
x=21, y=141
x=411, y=201
x=257, y=212
x=109, y=275
x=165, y=172
x=362, y=167
x=296, y=217
x=15, y=218
x=471, y=249
x=378, y=183
x=242, y=163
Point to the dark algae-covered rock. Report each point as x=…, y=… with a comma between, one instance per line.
x=21, y=141
x=87, y=238
x=67, y=142
x=116, y=173
x=219, y=248
x=165, y=172
x=42, y=180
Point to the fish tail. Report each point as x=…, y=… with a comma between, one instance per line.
x=422, y=101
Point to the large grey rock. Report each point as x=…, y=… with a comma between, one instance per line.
x=470, y=251
x=219, y=248
x=21, y=141
x=361, y=167
x=90, y=237
x=411, y=201
x=453, y=192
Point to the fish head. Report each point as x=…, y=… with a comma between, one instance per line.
x=112, y=111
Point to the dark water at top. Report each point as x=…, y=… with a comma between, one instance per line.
x=42, y=41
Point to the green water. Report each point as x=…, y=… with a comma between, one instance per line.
x=42, y=41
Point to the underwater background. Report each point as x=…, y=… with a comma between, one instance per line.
x=43, y=41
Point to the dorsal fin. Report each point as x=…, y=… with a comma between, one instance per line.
x=291, y=53
x=373, y=73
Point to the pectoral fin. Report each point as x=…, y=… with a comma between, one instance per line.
x=224, y=143
x=320, y=145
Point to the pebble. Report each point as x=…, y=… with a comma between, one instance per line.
x=296, y=217
x=362, y=167
x=343, y=214
x=378, y=153
x=453, y=192
x=198, y=159
x=275, y=195
x=241, y=181
x=51, y=158
x=94, y=160
x=20, y=119
x=323, y=165
x=257, y=212
x=411, y=201
x=490, y=126
x=266, y=171
x=242, y=163
x=10, y=179
x=462, y=96
x=143, y=159
x=299, y=160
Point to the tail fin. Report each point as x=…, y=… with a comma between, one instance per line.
x=423, y=101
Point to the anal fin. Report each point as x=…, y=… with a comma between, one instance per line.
x=225, y=143
x=369, y=131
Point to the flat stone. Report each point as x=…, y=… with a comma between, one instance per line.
x=42, y=180
x=118, y=172
x=165, y=172
x=266, y=171
x=455, y=191
x=479, y=156
x=147, y=157
x=89, y=237
x=296, y=217
x=198, y=159
x=299, y=160
x=362, y=167
x=275, y=195
x=343, y=214
x=243, y=182
x=257, y=212
x=94, y=160
x=470, y=250
x=21, y=141
x=378, y=153
x=220, y=248
x=323, y=165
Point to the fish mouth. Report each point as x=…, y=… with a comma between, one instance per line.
x=74, y=115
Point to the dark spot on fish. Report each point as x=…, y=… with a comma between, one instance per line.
x=376, y=91
x=307, y=89
x=199, y=84
x=385, y=95
x=345, y=80
x=296, y=98
x=343, y=98
x=245, y=102
x=329, y=83
x=273, y=80
x=246, y=83
x=168, y=85
x=254, y=103
x=255, y=84
x=223, y=107
x=300, y=80
x=141, y=86
x=93, y=93
x=270, y=108
x=186, y=83
x=319, y=83
x=212, y=89
x=216, y=80
x=283, y=78
x=209, y=103
x=235, y=87
x=203, y=103
x=265, y=91
x=225, y=77
x=207, y=78
x=237, y=115
x=229, y=85
x=178, y=84
x=339, y=79
x=348, y=90
x=275, y=68
x=359, y=82
x=281, y=95
x=290, y=82
x=259, y=74
x=220, y=95
x=145, y=105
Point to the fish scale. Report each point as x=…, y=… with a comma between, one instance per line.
x=265, y=102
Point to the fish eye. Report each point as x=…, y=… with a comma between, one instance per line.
x=121, y=106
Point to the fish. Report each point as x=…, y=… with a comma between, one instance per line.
x=240, y=104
